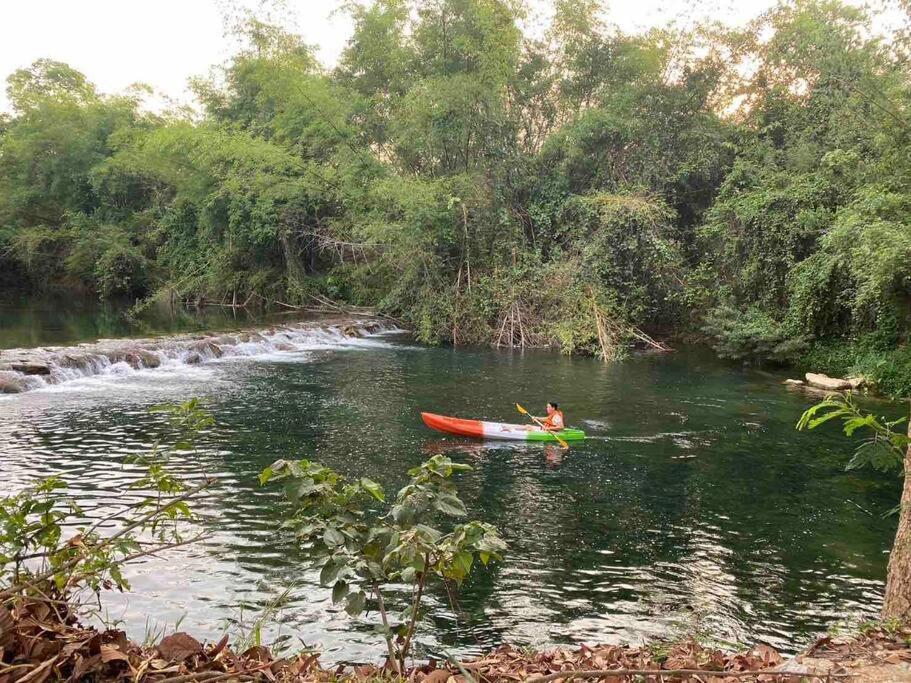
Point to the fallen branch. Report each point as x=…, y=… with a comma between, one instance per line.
x=213, y=676
x=688, y=673
x=47, y=664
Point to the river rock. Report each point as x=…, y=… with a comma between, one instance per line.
x=11, y=382
x=250, y=336
x=132, y=359
x=31, y=368
x=857, y=382
x=149, y=359
x=821, y=381
x=141, y=358
x=206, y=346
x=794, y=382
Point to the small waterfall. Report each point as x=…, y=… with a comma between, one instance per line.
x=27, y=369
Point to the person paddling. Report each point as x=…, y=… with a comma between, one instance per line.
x=553, y=422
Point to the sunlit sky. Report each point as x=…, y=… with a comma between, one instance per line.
x=164, y=42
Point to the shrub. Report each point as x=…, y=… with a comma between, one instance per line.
x=362, y=555
x=751, y=335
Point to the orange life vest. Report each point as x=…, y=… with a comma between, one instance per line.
x=552, y=421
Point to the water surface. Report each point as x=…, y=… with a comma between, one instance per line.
x=27, y=321
x=695, y=504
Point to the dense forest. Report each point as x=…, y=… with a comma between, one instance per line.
x=750, y=187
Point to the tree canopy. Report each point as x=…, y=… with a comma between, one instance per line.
x=749, y=186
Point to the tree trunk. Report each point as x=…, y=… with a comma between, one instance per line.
x=898, y=582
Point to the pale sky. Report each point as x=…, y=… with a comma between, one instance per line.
x=164, y=42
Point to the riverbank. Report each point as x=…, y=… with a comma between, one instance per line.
x=41, y=640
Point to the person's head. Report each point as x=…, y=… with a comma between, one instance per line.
x=551, y=407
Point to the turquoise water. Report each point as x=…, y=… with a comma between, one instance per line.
x=694, y=506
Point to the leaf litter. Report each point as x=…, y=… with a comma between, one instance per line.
x=39, y=644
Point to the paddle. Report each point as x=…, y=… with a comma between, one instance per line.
x=541, y=425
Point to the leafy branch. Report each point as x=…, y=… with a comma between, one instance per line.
x=37, y=561
x=883, y=449
x=362, y=552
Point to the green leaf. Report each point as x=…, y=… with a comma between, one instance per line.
x=402, y=514
x=339, y=591
x=450, y=504
x=332, y=537
x=373, y=489
x=814, y=423
x=875, y=454
x=429, y=533
x=465, y=560
x=856, y=423
x=356, y=603
x=265, y=476
x=329, y=572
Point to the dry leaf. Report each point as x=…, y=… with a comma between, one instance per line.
x=111, y=653
x=178, y=646
x=222, y=644
x=259, y=653
x=84, y=665
x=40, y=673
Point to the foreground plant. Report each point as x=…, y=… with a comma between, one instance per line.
x=49, y=552
x=884, y=449
x=362, y=555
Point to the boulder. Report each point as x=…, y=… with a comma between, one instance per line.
x=132, y=359
x=82, y=361
x=828, y=383
x=31, y=368
x=193, y=359
x=205, y=347
x=794, y=382
x=11, y=382
x=858, y=382
x=149, y=359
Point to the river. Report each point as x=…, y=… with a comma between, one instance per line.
x=694, y=506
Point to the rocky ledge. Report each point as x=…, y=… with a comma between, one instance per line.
x=26, y=369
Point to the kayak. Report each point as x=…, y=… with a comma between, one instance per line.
x=495, y=430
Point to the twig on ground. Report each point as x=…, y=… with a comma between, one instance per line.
x=604, y=673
